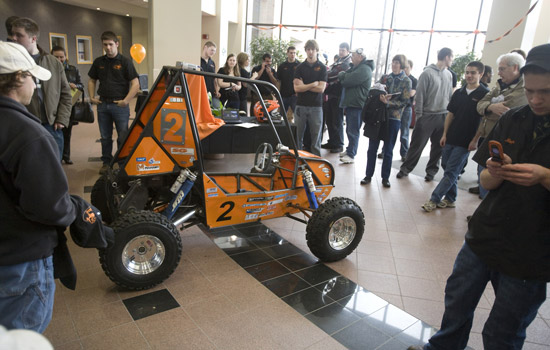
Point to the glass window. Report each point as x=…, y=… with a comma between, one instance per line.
x=300, y=12
x=330, y=39
x=416, y=14
x=260, y=11
x=375, y=44
x=461, y=44
x=414, y=45
x=298, y=36
x=373, y=14
x=485, y=13
x=335, y=13
x=457, y=15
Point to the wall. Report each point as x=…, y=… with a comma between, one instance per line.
x=140, y=35
x=56, y=17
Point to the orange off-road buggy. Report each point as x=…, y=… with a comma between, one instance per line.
x=157, y=183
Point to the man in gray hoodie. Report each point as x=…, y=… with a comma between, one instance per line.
x=433, y=93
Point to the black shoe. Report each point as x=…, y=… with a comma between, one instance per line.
x=327, y=146
x=474, y=190
x=68, y=161
x=386, y=183
x=337, y=150
x=428, y=177
x=401, y=174
x=380, y=155
x=366, y=180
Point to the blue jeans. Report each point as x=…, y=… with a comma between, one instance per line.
x=453, y=159
x=313, y=118
x=406, y=117
x=515, y=307
x=387, y=150
x=26, y=295
x=353, y=126
x=290, y=102
x=57, y=136
x=107, y=114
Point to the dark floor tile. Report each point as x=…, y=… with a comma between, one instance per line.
x=307, y=300
x=417, y=334
x=299, y=261
x=390, y=320
x=363, y=302
x=286, y=284
x=250, y=258
x=317, y=274
x=256, y=230
x=393, y=344
x=361, y=335
x=150, y=304
x=267, y=240
x=88, y=189
x=338, y=287
x=233, y=245
x=268, y=270
x=94, y=159
x=282, y=251
x=332, y=318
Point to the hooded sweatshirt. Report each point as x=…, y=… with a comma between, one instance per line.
x=434, y=91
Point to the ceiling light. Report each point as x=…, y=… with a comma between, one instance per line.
x=127, y=15
x=145, y=0
x=97, y=8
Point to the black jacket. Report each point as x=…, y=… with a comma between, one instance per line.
x=374, y=115
x=34, y=198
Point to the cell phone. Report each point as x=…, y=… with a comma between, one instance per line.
x=495, y=149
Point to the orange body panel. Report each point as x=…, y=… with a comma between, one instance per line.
x=224, y=209
x=151, y=160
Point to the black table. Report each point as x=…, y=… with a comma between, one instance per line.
x=231, y=138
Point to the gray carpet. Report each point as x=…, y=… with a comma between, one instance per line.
x=467, y=180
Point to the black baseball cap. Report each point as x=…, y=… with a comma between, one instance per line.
x=539, y=56
x=88, y=230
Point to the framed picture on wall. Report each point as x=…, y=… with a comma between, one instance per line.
x=57, y=39
x=84, y=49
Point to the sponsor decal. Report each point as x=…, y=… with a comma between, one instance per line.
x=253, y=205
x=178, y=200
x=212, y=195
x=256, y=210
x=291, y=198
x=153, y=161
x=212, y=190
x=141, y=159
x=182, y=151
x=321, y=166
x=280, y=196
x=275, y=202
x=251, y=217
x=271, y=207
x=176, y=99
x=327, y=176
x=267, y=214
x=89, y=216
x=143, y=167
x=326, y=170
x=259, y=199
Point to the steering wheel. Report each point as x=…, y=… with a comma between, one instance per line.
x=263, y=157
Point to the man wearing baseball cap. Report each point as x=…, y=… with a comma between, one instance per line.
x=34, y=198
x=508, y=237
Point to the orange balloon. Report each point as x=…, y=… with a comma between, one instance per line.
x=138, y=52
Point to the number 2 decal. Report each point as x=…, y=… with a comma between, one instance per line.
x=224, y=216
x=173, y=126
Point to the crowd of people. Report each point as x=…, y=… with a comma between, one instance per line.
x=507, y=242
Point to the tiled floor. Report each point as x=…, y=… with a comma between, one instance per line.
x=258, y=287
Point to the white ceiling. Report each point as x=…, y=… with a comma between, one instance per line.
x=135, y=8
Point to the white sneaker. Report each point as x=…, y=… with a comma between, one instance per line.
x=429, y=206
x=347, y=159
x=343, y=154
x=445, y=203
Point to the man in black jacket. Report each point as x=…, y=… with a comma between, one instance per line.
x=34, y=198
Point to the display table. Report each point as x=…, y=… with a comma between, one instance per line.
x=231, y=138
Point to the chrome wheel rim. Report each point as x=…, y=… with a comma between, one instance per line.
x=342, y=232
x=143, y=254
